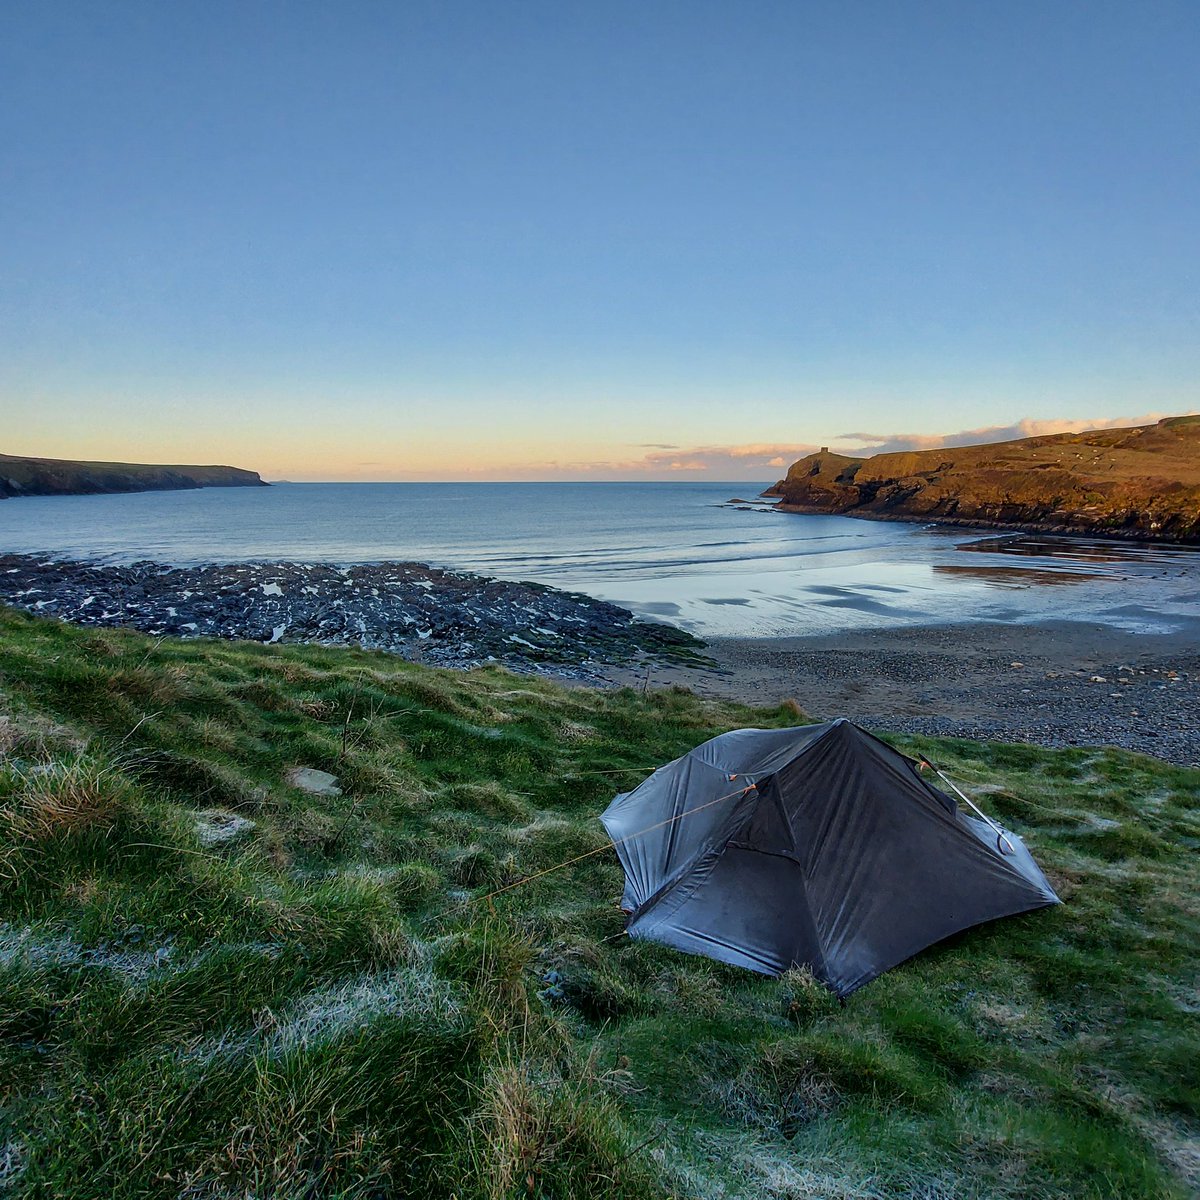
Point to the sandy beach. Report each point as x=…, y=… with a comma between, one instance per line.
x=1061, y=683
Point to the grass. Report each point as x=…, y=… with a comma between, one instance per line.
x=213, y=984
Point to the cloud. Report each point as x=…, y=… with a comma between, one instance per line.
x=887, y=443
x=758, y=459
x=656, y=445
x=754, y=462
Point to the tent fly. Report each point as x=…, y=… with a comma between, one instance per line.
x=817, y=846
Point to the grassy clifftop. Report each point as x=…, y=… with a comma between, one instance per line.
x=63, y=477
x=1142, y=482
x=215, y=984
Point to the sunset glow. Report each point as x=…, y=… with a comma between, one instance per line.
x=588, y=243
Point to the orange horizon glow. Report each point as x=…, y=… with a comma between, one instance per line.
x=294, y=459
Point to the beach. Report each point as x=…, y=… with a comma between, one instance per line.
x=898, y=627
x=1056, y=683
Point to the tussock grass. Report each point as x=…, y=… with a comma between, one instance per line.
x=551, y=1119
x=69, y=796
x=322, y=1005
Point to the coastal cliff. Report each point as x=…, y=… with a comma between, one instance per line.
x=63, y=477
x=1142, y=482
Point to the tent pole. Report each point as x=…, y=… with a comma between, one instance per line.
x=1002, y=838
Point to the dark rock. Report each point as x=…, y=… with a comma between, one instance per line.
x=429, y=615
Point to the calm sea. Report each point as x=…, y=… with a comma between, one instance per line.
x=675, y=551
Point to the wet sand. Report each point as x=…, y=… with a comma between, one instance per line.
x=1060, y=683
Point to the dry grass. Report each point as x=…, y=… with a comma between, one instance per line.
x=68, y=797
x=545, y=1116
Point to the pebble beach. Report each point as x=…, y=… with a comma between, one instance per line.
x=1058, y=683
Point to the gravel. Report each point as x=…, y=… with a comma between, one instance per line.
x=1060, y=683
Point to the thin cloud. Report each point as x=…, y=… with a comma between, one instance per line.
x=755, y=459
x=890, y=443
x=754, y=462
x=655, y=445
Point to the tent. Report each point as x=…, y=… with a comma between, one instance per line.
x=818, y=846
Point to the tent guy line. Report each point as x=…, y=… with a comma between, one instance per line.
x=1001, y=835
x=508, y=887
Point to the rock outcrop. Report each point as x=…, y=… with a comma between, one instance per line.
x=1142, y=483
x=63, y=477
x=440, y=618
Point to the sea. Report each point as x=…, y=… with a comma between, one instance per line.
x=712, y=558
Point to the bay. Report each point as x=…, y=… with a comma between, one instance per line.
x=678, y=552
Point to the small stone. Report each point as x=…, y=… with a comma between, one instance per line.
x=1098, y=679
x=1016, y=664
x=309, y=779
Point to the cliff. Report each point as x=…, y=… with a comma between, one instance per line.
x=1135, y=483
x=62, y=477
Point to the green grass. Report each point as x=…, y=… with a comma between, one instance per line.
x=319, y=1004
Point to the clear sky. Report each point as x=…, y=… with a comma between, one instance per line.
x=401, y=240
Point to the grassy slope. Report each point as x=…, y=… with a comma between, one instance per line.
x=306, y=1010
x=1144, y=481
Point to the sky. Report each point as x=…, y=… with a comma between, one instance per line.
x=612, y=240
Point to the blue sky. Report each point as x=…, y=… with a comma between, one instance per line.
x=547, y=240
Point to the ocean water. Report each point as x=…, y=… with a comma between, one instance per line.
x=675, y=551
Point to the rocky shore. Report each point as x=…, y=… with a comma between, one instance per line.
x=422, y=613
x=1054, y=684
x=1062, y=683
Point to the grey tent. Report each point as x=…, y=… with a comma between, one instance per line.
x=819, y=846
